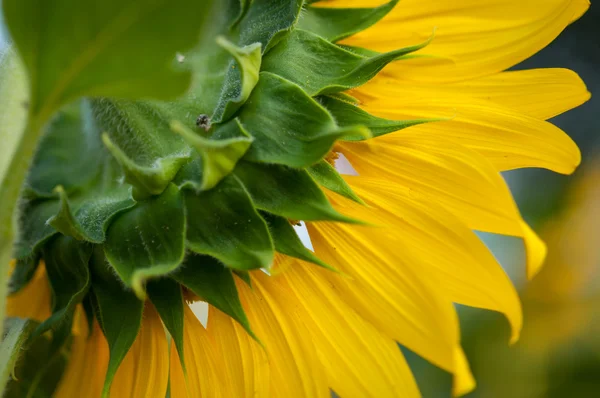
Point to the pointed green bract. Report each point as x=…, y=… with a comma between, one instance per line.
x=148, y=240
x=223, y=223
x=327, y=176
x=119, y=313
x=67, y=269
x=347, y=114
x=219, y=157
x=213, y=283
x=339, y=69
x=70, y=153
x=167, y=298
x=242, y=76
x=14, y=335
x=25, y=269
x=286, y=192
x=287, y=241
x=336, y=24
x=34, y=229
x=296, y=133
x=268, y=21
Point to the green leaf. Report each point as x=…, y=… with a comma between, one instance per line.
x=113, y=48
x=350, y=115
x=287, y=192
x=16, y=333
x=245, y=276
x=223, y=223
x=287, y=241
x=167, y=298
x=213, y=283
x=327, y=176
x=219, y=157
x=148, y=240
x=295, y=132
x=268, y=21
x=240, y=80
x=119, y=313
x=67, y=268
x=320, y=67
x=336, y=24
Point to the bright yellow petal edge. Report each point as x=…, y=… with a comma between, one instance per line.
x=427, y=189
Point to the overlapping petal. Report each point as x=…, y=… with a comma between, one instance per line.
x=444, y=248
x=441, y=173
x=472, y=38
x=201, y=378
x=385, y=289
x=244, y=364
x=144, y=372
x=357, y=358
x=295, y=367
x=508, y=138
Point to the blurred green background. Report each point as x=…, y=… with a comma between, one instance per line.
x=559, y=352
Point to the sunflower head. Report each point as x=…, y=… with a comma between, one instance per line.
x=133, y=208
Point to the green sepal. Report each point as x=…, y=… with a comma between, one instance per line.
x=240, y=80
x=223, y=223
x=34, y=229
x=138, y=135
x=213, y=283
x=268, y=22
x=70, y=152
x=327, y=176
x=218, y=157
x=295, y=132
x=338, y=69
x=25, y=269
x=119, y=313
x=146, y=181
x=149, y=240
x=349, y=115
x=167, y=298
x=336, y=24
x=64, y=222
x=66, y=262
x=287, y=241
x=287, y=192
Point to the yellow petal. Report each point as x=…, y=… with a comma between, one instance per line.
x=243, y=362
x=539, y=93
x=385, y=290
x=508, y=138
x=445, y=249
x=478, y=37
x=144, y=372
x=357, y=358
x=449, y=175
x=84, y=375
x=200, y=361
x=33, y=301
x=295, y=367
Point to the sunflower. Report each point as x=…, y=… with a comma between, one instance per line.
x=163, y=204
